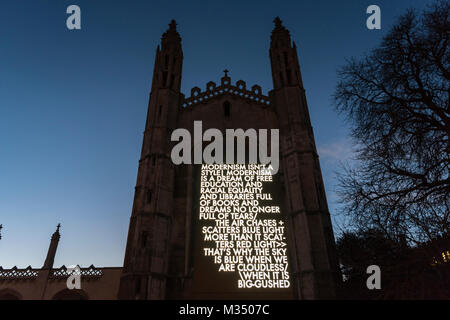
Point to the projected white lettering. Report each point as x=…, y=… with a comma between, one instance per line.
x=244, y=232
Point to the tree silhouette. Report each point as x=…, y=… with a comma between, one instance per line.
x=396, y=100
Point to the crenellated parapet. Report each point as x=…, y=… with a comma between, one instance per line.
x=29, y=273
x=238, y=90
x=86, y=273
x=18, y=274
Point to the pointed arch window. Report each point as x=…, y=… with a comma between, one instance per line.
x=160, y=112
x=226, y=109
x=289, y=77
x=166, y=61
x=281, y=79
x=149, y=196
x=285, y=55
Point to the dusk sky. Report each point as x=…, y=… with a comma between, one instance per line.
x=73, y=103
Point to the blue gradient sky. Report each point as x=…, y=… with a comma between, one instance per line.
x=73, y=103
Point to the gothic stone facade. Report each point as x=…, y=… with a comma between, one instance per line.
x=159, y=263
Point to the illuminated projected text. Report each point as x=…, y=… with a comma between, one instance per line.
x=243, y=231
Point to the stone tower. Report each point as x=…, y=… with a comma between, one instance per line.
x=314, y=264
x=161, y=260
x=146, y=262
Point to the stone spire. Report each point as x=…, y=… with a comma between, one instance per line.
x=48, y=264
x=168, y=60
x=280, y=36
x=171, y=36
x=284, y=58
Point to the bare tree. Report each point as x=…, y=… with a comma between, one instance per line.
x=397, y=102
